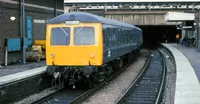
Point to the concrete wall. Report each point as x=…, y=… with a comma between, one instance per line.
x=140, y=17
x=197, y=28
x=136, y=17
x=39, y=10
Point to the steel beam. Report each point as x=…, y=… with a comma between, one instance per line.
x=135, y=5
x=55, y=8
x=22, y=30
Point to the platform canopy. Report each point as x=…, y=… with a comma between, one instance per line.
x=133, y=4
x=91, y=1
x=179, y=17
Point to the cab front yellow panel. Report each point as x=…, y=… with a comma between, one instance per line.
x=75, y=55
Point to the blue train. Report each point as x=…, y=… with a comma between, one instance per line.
x=82, y=46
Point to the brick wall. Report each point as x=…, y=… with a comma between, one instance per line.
x=10, y=29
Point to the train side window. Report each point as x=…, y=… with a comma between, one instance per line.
x=126, y=37
x=113, y=37
x=120, y=37
x=109, y=41
x=107, y=38
x=135, y=36
x=110, y=37
x=84, y=36
x=131, y=40
x=132, y=36
x=114, y=40
x=60, y=36
x=104, y=37
x=117, y=37
x=123, y=36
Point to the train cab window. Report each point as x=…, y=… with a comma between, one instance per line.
x=84, y=36
x=60, y=36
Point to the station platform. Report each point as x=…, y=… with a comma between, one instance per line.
x=19, y=67
x=193, y=56
x=187, y=71
x=16, y=72
x=187, y=79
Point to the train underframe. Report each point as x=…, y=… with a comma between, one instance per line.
x=92, y=75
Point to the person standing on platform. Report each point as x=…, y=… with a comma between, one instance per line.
x=177, y=38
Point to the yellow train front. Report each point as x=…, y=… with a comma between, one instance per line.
x=84, y=46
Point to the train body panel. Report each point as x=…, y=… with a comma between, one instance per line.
x=67, y=49
x=118, y=41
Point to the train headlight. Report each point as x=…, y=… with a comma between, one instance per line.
x=52, y=55
x=91, y=55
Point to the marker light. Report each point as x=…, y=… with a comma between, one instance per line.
x=92, y=55
x=52, y=55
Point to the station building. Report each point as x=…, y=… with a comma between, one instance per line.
x=159, y=20
x=36, y=14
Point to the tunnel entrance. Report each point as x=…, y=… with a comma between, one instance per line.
x=159, y=34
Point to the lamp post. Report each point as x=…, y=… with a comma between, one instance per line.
x=55, y=8
x=22, y=30
x=198, y=28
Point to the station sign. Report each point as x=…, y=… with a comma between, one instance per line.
x=72, y=22
x=178, y=16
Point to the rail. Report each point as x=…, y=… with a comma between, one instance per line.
x=147, y=88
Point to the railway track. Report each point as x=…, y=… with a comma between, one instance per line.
x=147, y=87
x=75, y=96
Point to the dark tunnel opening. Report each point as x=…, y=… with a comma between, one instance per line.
x=153, y=35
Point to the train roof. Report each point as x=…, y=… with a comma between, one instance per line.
x=88, y=17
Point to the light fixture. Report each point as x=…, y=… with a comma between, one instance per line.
x=12, y=18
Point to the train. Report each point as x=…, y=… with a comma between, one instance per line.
x=86, y=47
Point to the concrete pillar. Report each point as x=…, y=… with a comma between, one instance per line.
x=22, y=29
x=55, y=8
x=198, y=28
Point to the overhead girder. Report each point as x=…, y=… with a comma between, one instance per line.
x=136, y=5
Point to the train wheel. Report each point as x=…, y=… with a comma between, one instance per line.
x=91, y=83
x=120, y=63
x=108, y=70
x=66, y=84
x=101, y=75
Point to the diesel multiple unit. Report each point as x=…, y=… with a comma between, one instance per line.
x=84, y=46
